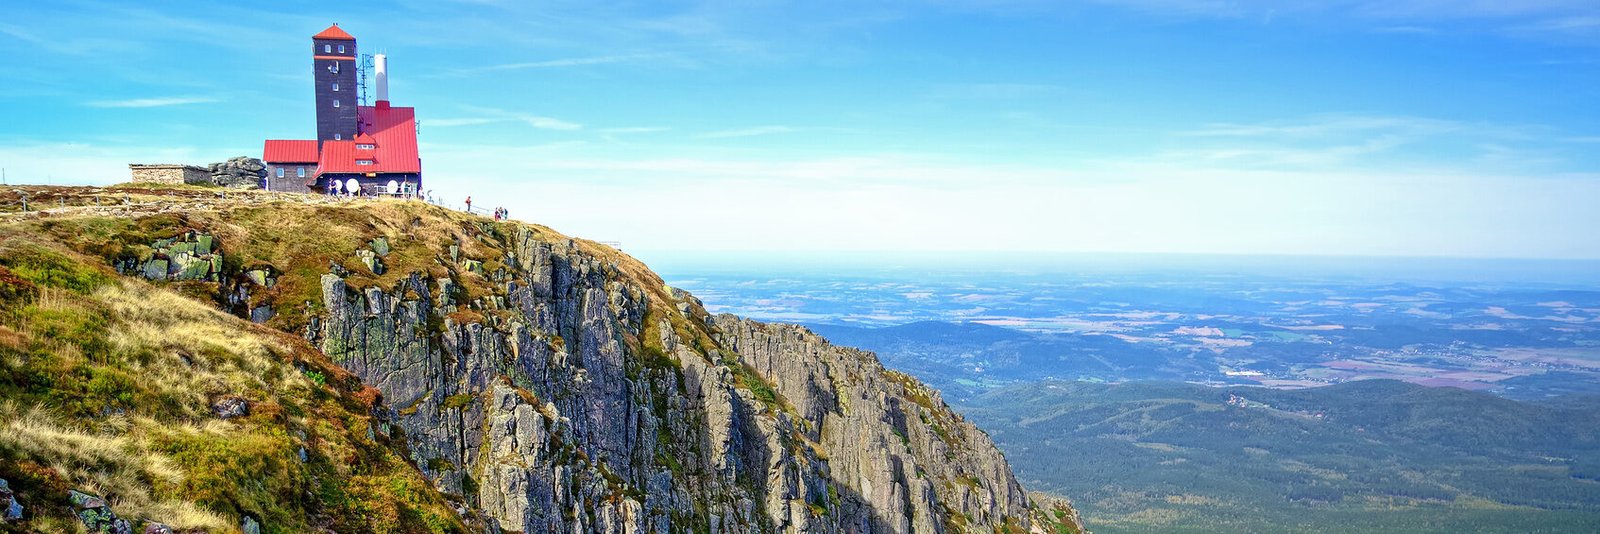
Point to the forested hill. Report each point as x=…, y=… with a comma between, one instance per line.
x=1370, y=456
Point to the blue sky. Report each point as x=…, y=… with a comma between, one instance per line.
x=1401, y=127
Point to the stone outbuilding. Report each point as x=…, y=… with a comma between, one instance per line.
x=170, y=174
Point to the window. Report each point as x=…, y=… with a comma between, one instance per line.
x=327, y=49
x=365, y=146
x=333, y=66
x=363, y=162
x=337, y=137
x=280, y=172
x=335, y=102
x=299, y=173
x=336, y=86
x=341, y=49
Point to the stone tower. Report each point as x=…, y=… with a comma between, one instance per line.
x=333, y=65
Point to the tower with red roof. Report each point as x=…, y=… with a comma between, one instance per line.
x=333, y=66
x=374, y=146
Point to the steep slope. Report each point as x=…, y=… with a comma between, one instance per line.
x=178, y=414
x=558, y=385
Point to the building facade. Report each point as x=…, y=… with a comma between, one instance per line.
x=169, y=174
x=372, y=147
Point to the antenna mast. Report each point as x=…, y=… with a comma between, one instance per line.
x=363, y=68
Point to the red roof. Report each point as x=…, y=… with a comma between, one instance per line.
x=290, y=151
x=393, y=133
x=333, y=32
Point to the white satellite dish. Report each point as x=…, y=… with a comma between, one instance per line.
x=394, y=187
x=337, y=186
x=352, y=185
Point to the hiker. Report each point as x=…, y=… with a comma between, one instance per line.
x=469, y=203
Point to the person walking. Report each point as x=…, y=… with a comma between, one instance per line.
x=469, y=203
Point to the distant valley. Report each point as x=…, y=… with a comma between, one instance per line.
x=1205, y=402
x=1373, y=455
x=1285, y=328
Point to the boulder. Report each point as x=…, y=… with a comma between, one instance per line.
x=249, y=525
x=230, y=407
x=10, y=509
x=238, y=173
x=96, y=515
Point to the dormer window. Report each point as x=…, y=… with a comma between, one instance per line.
x=365, y=146
x=327, y=49
x=363, y=162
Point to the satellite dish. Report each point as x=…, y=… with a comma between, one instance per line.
x=352, y=185
x=337, y=185
x=394, y=187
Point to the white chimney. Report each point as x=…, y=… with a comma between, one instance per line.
x=381, y=75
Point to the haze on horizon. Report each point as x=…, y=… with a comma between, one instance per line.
x=1344, y=127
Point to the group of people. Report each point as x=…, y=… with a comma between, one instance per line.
x=500, y=214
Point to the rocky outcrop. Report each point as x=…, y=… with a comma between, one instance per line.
x=191, y=256
x=242, y=172
x=554, y=385
x=10, y=509
x=580, y=396
x=96, y=515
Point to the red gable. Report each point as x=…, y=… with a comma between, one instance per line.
x=287, y=151
x=391, y=132
x=333, y=32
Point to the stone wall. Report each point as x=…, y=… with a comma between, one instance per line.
x=169, y=174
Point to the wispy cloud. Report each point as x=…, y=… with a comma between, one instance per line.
x=559, y=63
x=151, y=102
x=468, y=121
x=1371, y=141
x=746, y=132
x=1406, y=30
x=492, y=115
x=634, y=129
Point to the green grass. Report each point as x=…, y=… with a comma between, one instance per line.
x=106, y=384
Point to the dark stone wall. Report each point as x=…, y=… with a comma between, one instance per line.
x=291, y=182
x=335, y=122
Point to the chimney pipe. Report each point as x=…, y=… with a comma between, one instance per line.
x=381, y=76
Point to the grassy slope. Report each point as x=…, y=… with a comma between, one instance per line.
x=107, y=382
x=297, y=238
x=294, y=237
x=1386, y=456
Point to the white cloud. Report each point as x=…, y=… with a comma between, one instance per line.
x=151, y=102
x=746, y=132
x=562, y=62
x=492, y=116
x=548, y=123
x=635, y=129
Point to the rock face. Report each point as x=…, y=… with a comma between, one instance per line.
x=242, y=172
x=191, y=256
x=582, y=396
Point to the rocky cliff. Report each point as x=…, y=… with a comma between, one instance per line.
x=550, y=384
